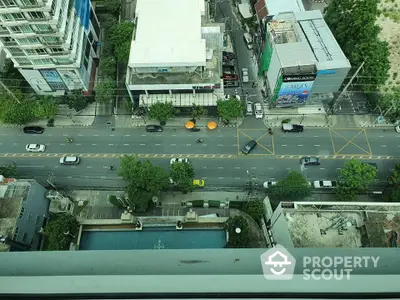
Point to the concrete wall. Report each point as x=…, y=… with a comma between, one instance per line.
x=329, y=81
x=36, y=208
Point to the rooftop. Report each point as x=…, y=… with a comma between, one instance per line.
x=12, y=193
x=277, y=6
x=343, y=224
x=212, y=34
x=168, y=33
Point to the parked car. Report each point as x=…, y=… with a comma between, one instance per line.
x=325, y=184
x=230, y=77
x=229, y=55
x=231, y=83
x=154, y=128
x=228, y=69
x=249, y=147
x=198, y=183
x=245, y=75
x=287, y=127
x=397, y=128
x=70, y=160
x=35, y=148
x=258, y=111
x=33, y=129
x=181, y=160
x=310, y=161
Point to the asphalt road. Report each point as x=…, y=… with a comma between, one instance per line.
x=216, y=160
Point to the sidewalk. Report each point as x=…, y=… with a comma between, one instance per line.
x=170, y=198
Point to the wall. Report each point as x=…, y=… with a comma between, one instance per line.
x=329, y=81
x=280, y=229
x=35, y=206
x=273, y=71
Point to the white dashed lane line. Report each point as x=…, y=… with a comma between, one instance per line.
x=142, y=144
x=237, y=177
x=237, y=168
x=220, y=177
x=220, y=167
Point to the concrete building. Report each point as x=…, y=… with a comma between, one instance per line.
x=53, y=43
x=23, y=213
x=336, y=225
x=301, y=61
x=176, y=55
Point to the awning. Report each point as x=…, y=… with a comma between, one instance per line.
x=212, y=125
x=189, y=125
x=245, y=10
x=261, y=9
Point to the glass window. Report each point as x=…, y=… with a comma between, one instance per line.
x=56, y=50
x=10, y=3
x=15, y=29
x=29, y=2
x=18, y=16
x=8, y=40
x=30, y=51
x=41, y=51
x=51, y=40
x=7, y=17
x=23, y=41
x=36, y=15
x=25, y=237
x=26, y=29
x=43, y=28
x=3, y=28
x=16, y=51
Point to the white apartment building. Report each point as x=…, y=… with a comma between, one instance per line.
x=176, y=54
x=53, y=43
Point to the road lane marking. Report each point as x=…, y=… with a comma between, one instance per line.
x=158, y=144
x=253, y=168
x=110, y=144
x=381, y=136
x=317, y=145
x=288, y=168
x=322, y=168
x=173, y=144
x=316, y=136
x=70, y=177
x=143, y=135
x=127, y=135
x=237, y=177
x=235, y=145
x=174, y=135
x=142, y=144
x=188, y=145
x=112, y=134
x=383, y=146
x=204, y=167
x=220, y=145
x=270, y=168
x=126, y=144
x=78, y=144
x=299, y=145
x=203, y=177
x=15, y=144
x=30, y=166
x=220, y=167
x=237, y=168
x=284, y=145
x=96, y=135
x=89, y=167
x=220, y=177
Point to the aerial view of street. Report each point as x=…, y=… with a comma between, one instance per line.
x=167, y=138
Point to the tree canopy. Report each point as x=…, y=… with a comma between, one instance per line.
x=121, y=37
x=9, y=171
x=197, y=111
x=394, y=183
x=143, y=181
x=241, y=239
x=353, y=23
x=231, y=108
x=105, y=90
x=162, y=111
x=60, y=231
x=255, y=209
x=182, y=174
x=77, y=100
x=294, y=185
x=357, y=175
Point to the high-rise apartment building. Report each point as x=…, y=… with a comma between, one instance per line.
x=53, y=43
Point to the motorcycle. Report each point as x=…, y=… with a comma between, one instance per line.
x=270, y=131
x=112, y=168
x=70, y=140
x=199, y=141
x=194, y=129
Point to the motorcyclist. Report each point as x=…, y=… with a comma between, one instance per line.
x=69, y=140
x=198, y=140
x=112, y=167
x=270, y=130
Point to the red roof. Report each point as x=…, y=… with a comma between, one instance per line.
x=261, y=9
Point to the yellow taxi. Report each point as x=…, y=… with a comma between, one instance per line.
x=198, y=183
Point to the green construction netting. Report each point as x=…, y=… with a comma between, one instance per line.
x=277, y=88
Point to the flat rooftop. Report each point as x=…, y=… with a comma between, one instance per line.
x=343, y=225
x=168, y=33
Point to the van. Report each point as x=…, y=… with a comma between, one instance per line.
x=248, y=40
x=249, y=108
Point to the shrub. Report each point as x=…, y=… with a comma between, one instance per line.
x=213, y=203
x=198, y=203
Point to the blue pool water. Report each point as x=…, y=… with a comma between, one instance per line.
x=152, y=238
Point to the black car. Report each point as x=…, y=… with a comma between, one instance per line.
x=229, y=55
x=154, y=128
x=249, y=146
x=33, y=129
x=310, y=161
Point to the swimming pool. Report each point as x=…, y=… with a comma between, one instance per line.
x=152, y=238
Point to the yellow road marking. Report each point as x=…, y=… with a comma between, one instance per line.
x=258, y=143
x=349, y=142
x=368, y=144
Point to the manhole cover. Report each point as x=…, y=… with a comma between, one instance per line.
x=109, y=123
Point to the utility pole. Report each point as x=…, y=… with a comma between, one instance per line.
x=341, y=96
x=50, y=178
x=9, y=92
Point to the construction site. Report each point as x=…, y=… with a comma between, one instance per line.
x=336, y=224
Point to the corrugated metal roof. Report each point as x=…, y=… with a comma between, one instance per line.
x=321, y=40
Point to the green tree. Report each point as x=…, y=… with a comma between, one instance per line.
x=45, y=108
x=255, y=209
x=108, y=6
x=162, y=111
x=108, y=66
x=143, y=181
x=345, y=194
x=394, y=183
x=121, y=37
x=197, y=111
x=9, y=171
x=241, y=239
x=230, y=109
x=77, y=100
x=182, y=174
x=60, y=231
x=357, y=175
x=294, y=185
x=105, y=90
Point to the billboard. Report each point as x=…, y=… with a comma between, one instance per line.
x=53, y=79
x=295, y=90
x=82, y=8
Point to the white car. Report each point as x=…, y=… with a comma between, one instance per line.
x=268, y=184
x=397, y=128
x=258, y=111
x=35, y=148
x=175, y=160
x=327, y=184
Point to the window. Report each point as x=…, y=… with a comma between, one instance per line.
x=15, y=29
x=63, y=60
x=21, y=213
x=18, y=16
x=51, y=40
x=10, y=3
x=3, y=29
x=56, y=50
x=16, y=51
x=29, y=2
x=7, y=17
x=28, y=41
x=16, y=230
x=46, y=61
x=8, y=41
x=30, y=51
x=23, y=61
x=36, y=15
x=26, y=29
x=43, y=28
x=41, y=52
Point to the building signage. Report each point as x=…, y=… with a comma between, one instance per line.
x=288, y=78
x=293, y=93
x=326, y=72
